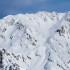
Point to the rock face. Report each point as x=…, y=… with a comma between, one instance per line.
x=38, y=41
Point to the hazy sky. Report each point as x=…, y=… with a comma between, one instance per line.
x=32, y=6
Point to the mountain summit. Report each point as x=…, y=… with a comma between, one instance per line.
x=38, y=41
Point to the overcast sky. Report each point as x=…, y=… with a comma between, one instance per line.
x=32, y=6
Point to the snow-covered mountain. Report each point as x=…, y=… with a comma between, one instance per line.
x=38, y=41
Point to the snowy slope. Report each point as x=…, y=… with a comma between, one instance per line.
x=38, y=41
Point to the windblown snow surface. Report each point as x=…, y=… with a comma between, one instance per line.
x=38, y=41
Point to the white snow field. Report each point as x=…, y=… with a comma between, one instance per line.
x=39, y=41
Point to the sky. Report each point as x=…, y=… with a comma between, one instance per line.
x=13, y=7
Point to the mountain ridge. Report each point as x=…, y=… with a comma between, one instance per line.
x=30, y=41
